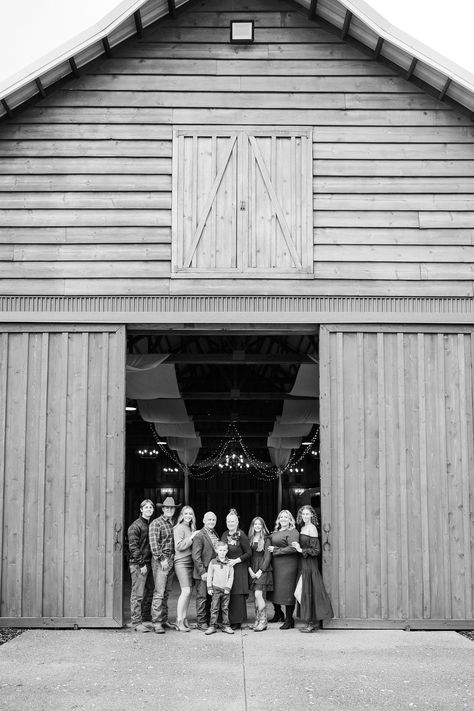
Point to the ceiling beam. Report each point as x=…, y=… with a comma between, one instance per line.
x=236, y=358
x=237, y=395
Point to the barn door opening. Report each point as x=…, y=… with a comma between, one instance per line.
x=235, y=391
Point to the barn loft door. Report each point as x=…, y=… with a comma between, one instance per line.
x=242, y=203
x=397, y=477
x=61, y=477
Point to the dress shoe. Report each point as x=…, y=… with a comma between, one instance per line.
x=203, y=627
x=149, y=624
x=228, y=630
x=236, y=626
x=141, y=628
x=210, y=630
x=287, y=625
x=308, y=628
x=159, y=629
x=169, y=625
x=278, y=616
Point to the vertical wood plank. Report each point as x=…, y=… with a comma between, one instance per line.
x=423, y=476
x=340, y=475
x=215, y=247
x=360, y=400
x=465, y=473
x=400, y=374
x=3, y=419
x=326, y=465
x=115, y=484
x=382, y=446
x=443, y=465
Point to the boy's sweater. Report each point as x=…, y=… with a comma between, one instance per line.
x=220, y=575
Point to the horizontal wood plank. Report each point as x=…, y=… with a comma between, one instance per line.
x=323, y=50
x=263, y=35
x=85, y=235
x=388, y=235
x=70, y=148
x=89, y=252
x=240, y=67
x=85, y=165
x=384, y=185
x=87, y=200
x=394, y=168
x=91, y=218
x=393, y=271
x=393, y=134
x=85, y=270
x=96, y=182
x=389, y=253
x=280, y=117
x=395, y=151
x=84, y=131
x=349, y=218
x=447, y=219
x=394, y=202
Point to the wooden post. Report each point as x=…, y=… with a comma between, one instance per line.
x=280, y=491
x=186, y=486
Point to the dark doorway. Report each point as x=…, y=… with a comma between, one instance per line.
x=234, y=384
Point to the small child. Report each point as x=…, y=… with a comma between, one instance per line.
x=220, y=576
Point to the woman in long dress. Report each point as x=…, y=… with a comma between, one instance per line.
x=260, y=570
x=285, y=567
x=314, y=604
x=239, y=553
x=183, y=534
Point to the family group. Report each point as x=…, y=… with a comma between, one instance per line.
x=280, y=566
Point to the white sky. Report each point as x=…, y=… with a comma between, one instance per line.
x=32, y=28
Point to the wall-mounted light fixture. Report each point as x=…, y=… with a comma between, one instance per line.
x=241, y=31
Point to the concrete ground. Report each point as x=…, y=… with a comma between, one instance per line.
x=332, y=670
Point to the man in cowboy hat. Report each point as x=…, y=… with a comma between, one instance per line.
x=162, y=549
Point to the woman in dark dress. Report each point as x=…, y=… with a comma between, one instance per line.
x=314, y=604
x=285, y=567
x=260, y=570
x=239, y=553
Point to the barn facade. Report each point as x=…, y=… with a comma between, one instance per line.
x=318, y=180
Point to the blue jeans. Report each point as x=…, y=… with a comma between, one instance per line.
x=141, y=593
x=163, y=582
x=220, y=603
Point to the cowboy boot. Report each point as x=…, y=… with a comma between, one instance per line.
x=257, y=614
x=278, y=614
x=262, y=624
x=289, y=622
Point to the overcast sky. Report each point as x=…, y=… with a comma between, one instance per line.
x=32, y=28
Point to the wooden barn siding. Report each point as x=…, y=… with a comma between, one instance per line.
x=85, y=175
x=61, y=477
x=397, y=486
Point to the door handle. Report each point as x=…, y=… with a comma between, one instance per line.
x=118, y=537
x=326, y=529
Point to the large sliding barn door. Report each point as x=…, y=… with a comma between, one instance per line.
x=398, y=476
x=61, y=476
x=242, y=203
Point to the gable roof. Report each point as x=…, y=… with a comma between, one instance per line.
x=354, y=20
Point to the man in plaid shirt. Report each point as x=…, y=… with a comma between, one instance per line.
x=162, y=549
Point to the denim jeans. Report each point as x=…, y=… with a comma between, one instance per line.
x=141, y=593
x=163, y=582
x=220, y=603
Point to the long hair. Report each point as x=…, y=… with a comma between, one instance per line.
x=181, y=516
x=299, y=515
x=261, y=535
x=291, y=520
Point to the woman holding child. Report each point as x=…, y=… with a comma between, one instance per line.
x=238, y=553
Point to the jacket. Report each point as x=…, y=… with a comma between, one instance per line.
x=203, y=552
x=138, y=542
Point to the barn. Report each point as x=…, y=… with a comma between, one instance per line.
x=251, y=223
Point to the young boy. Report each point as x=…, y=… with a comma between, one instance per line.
x=220, y=576
x=140, y=569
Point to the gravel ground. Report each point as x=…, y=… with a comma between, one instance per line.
x=8, y=633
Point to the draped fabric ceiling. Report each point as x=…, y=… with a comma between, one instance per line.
x=153, y=384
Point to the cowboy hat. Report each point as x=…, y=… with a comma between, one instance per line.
x=169, y=501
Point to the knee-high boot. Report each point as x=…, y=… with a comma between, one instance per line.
x=278, y=614
x=289, y=621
